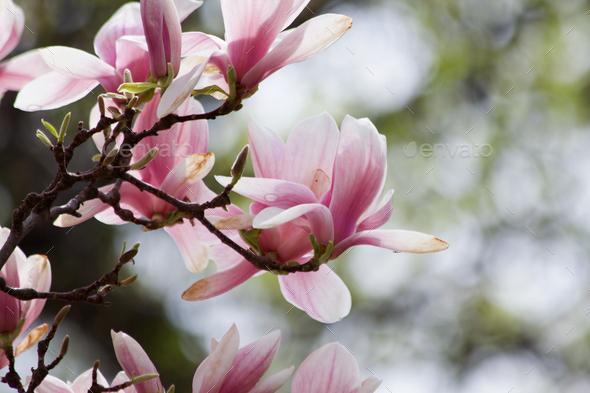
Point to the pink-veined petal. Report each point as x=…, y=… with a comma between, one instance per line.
x=295, y=246
x=10, y=308
x=220, y=282
x=16, y=72
x=330, y=369
x=370, y=384
x=271, y=192
x=193, y=250
x=36, y=274
x=125, y=21
x=12, y=23
x=359, y=172
x=307, y=40
x=312, y=145
x=267, y=149
x=250, y=364
x=380, y=216
x=198, y=44
x=187, y=172
x=133, y=58
x=393, y=239
x=180, y=90
x=251, y=27
x=88, y=210
x=78, y=64
x=274, y=382
x=224, y=256
x=211, y=373
x=322, y=294
x=186, y=7
x=135, y=361
x=121, y=378
x=52, y=90
x=83, y=382
x=319, y=217
x=53, y=385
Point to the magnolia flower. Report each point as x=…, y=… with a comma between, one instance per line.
x=19, y=70
x=163, y=35
x=22, y=272
x=331, y=369
x=227, y=369
x=81, y=384
x=132, y=358
x=75, y=72
x=178, y=169
x=324, y=183
x=253, y=47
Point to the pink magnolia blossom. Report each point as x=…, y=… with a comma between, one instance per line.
x=19, y=70
x=75, y=72
x=253, y=46
x=227, y=369
x=331, y=369
x=163, y=35
x=81, y=384
x=22, y=272
x=321, y=182
x=178, y=169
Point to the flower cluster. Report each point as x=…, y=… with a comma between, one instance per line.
x=313, y=198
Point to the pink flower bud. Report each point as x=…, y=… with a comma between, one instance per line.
x=163, y=35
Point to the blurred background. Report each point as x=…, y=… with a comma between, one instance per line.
x=485, y=107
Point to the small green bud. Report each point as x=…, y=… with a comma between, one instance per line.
x=64, y=127
x=101, y=106
x=143, y=378
x=238, y=167
x=143, y=161
x=44, y=138
x=61, y=315
x=110, y=157
x=64, y=346
x=50, y=128
x=128, y=281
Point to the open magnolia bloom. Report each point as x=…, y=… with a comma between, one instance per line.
x=227, y=369
x=178, y=168
x=22, y=69
x=132, y=358
x=253, y=47
x=323, y=183
x=331, y=369
x=75, y=72
x=22, y=272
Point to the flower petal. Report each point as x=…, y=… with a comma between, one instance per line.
x=271, y=192
x=88, y=210
x=359, y=174
x=32, y=338
x=274, y=382
x=135, y=361
x=250, y=364
x=380, y=216
x=193, y=250
x=185, y=174
x=35, y=273
x=12, y=23
x=186, y=7
x=307, y=40
x=251, y=27
x=330, y=369
x=135, y=59
x=125, y=21
x=52, y=90
x=83, y=382
x=180, y=90
x=319, y=217
x=78, y=64
x=267, y=149
x=322, y=294
x=53, y=385
x=220, y=282
x=22, y=69
x=393, y=239
x=213, y=370
x=312, y=145
x=198, y=44
x=370, y=384
x=224, y=256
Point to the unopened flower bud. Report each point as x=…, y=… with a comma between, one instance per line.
x=128, y=79
x=129, y=281
x=64, y=346
x=238, y=167
x=143, y=161
x=64, y=127
x=61, y=315
x=110, y=157
x=163, y=35
x=101, y=106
